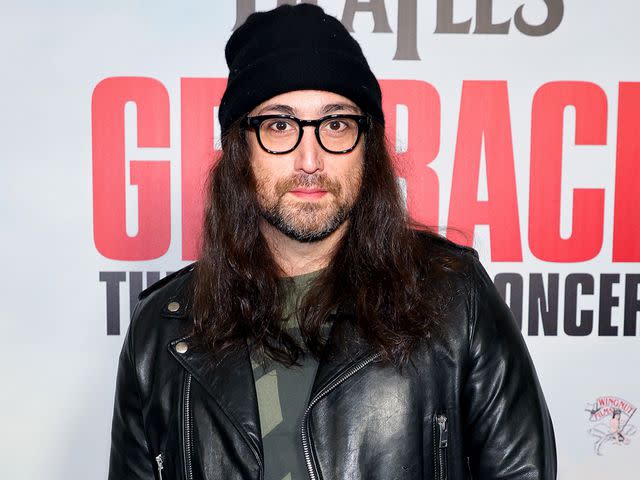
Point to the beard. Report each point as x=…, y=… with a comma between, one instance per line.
x=307, y=221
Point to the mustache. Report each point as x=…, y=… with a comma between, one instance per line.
x=308, y=180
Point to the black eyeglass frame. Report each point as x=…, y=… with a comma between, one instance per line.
x=362, y=121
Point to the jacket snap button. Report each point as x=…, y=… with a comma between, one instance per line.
x=182, y=347
x=173, y=307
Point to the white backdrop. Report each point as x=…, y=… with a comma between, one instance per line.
x=59, y=363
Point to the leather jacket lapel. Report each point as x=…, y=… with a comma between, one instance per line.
x=230, y=382
x=345, y=347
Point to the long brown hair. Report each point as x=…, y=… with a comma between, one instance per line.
x=392, y=273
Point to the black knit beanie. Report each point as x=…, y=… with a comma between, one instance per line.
x=295, y=48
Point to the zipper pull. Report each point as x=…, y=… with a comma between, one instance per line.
x=160, y=466
x=442, y=425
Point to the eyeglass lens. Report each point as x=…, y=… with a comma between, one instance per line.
x=336, y=134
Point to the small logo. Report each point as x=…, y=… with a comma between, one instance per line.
x=611, y=416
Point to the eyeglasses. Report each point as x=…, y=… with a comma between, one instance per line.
x=280, y=134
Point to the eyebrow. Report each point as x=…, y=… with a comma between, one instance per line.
x=327, y=109
x=276, y=107
x=333, y=107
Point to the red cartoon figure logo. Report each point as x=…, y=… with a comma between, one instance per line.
x=611, y=416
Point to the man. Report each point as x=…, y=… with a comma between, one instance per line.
x=321, y=334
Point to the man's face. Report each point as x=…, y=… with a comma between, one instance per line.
x=308, y=193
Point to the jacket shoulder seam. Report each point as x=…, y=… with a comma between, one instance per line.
x=164, y=281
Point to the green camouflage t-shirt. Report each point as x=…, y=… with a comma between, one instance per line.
x=283, y=393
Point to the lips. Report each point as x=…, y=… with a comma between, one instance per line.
x=308, y=193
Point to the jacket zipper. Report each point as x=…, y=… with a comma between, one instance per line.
x=188, y=429
x=441, y=447
x=306, y=448
x=160, y=466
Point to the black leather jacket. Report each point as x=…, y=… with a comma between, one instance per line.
x=470, y=406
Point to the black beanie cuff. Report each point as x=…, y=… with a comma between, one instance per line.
x=300, y=69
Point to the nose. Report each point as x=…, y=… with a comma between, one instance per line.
x=309, y=154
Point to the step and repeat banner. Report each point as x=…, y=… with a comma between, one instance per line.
x=517, y=129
